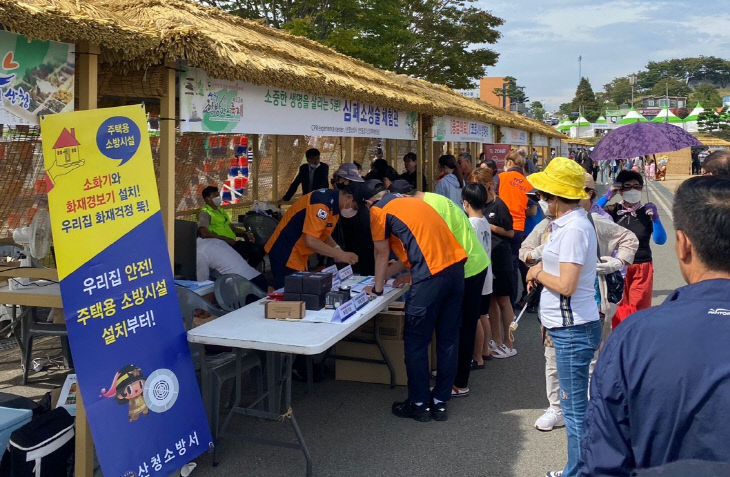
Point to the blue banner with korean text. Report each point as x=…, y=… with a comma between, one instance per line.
x=128, y=341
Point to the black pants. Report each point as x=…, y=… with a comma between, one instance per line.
x=251, y=252
x=432, y=305
x=470, y=311
x=515, y=244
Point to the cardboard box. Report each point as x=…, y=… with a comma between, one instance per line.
x=346, y=370
x=290, y=310
x=390, y=325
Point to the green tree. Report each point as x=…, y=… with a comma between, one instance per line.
x=673, y=85
x=565, y=109
x=715, y=124
x=618, y=90
x=441, y=41
x=591, y=115
x=537, y=110
x=707, y=95
x=584, y=98
x=689, y=70
x=515, y=93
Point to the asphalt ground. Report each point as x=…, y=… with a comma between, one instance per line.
x=350, y=430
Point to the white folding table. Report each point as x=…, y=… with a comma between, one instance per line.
x=247, y=328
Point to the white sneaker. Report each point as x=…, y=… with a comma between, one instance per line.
x=550, y=420
x=496, y=350
x=508, y=352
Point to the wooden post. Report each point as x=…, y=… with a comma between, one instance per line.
x=419, y=162
x=386, y=153
x=167, y=157
x=275, y=170
x=88, y=93
x=395, y=154
x=255, y=150
x=432, y=163
x=351, y=156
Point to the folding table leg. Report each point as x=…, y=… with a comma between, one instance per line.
x=290, y=413
x=391, y=370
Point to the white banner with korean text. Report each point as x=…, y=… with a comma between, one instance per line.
x=219, y=106
x=514, y=136
x=447, y=129
x=538, y=140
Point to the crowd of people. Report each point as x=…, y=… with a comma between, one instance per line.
x=485, y=241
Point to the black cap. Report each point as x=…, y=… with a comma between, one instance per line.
x=401, y=186
x=365, y=190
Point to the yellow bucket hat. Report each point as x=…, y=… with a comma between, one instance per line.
x=562, y=177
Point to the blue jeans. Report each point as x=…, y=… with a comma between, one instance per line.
x=574, y=349
x=433, y=304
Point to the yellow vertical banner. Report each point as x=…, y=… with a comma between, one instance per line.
x=124, y=322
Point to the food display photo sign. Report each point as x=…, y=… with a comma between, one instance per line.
x=36, y=77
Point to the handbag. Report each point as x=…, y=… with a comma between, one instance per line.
x=614, y=280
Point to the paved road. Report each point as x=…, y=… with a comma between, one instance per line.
x=351, y=431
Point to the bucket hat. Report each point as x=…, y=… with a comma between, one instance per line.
x=562, y=178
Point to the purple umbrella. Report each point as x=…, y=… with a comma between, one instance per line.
x=641, y=139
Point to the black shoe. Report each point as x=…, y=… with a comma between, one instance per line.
x=407, y=409
x=439, y=412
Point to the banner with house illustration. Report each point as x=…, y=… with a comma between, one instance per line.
x=218, y=106
x=36, y=77
x=124, y=323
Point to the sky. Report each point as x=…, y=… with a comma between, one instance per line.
x=541, y=40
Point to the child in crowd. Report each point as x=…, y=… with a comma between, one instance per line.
x=474, y=199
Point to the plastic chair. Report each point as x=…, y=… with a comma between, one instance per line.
x=261, y=225
x=30, y=328
x=216, y=369
x=233, y=291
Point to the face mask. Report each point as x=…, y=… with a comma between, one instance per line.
x=505, y=168
x=314, y=166
x=543, y=206
x=217, y=201
x=348, y=213
x=631, y=196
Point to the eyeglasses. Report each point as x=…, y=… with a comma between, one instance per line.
x=634, y=186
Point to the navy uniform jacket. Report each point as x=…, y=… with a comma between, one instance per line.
x=661, y=389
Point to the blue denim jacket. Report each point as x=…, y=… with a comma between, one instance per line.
x=661, y=389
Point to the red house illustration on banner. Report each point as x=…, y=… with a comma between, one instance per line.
x=67, y=147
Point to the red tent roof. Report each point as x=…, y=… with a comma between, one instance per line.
x=66, y=139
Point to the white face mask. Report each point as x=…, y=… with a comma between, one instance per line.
x=631, y=196
x=216, y=200
x=348, y=213
x=505, y=168
x=543, y=205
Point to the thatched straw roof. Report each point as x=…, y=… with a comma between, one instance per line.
x=712, y=141
x=134, y=34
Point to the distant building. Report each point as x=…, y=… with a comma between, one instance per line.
x=650, y=106
x=725, y=101
x=486, y=91
x=613, y=116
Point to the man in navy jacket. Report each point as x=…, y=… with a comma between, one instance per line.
x=661, y=389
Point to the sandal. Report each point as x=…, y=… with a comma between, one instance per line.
x=475, y=365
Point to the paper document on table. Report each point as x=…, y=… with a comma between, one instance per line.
x=368, y=282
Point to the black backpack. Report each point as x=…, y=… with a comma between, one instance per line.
x=44, y=447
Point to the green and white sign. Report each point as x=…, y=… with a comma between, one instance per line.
x=36, y=77
x=219, y=106
x=447, y=128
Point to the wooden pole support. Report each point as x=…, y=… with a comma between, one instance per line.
x=167, y=158
x=255, y=169
x=275, y=170
x=88, y=94
x=419, y=162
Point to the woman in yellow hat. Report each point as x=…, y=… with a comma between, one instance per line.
x=568, y=308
